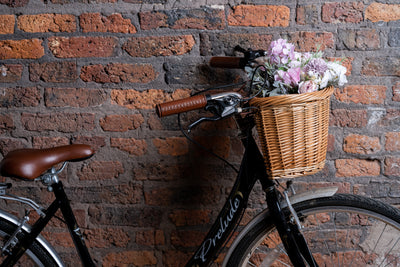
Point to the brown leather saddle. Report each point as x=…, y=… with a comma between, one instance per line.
x=31, y=163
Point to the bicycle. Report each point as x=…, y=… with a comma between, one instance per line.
x=316, y=228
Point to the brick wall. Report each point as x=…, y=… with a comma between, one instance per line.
x=92, y=71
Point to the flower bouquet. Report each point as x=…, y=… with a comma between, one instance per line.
x=292, y=92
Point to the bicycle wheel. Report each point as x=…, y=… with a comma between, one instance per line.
x=36, y=255
x=342, y=230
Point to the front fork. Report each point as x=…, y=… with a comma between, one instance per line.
x=291, y=236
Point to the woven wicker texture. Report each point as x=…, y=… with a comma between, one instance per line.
x=293, y=132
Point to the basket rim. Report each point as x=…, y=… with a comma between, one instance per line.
x=292, y=98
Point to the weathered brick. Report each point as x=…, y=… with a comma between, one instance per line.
x=9, y=144
x=172, y=146
x=10, y=73
x=121, y=123
x=19, y=97
x=359, y=39
x=175, y=258
x=81, y=1
x=7, y=24
x=217, y=44
x=307, y=14
x=150, y=238
x=53, y=72
x=357, y=167
x=21, y=49
x=6, y=123
x=361, y=144
x=392, y=141
x=376, y=12
x=337, y=12
x=391, y=118
x=394, y=38
x=70, y=47
x=206, y=18
x=159, y=45
x=362, y=94
x=74, y=97
x=95, y=22
x=146, y=1
x=62, y=122
x=47, y=142
x=392, y=166
x=147, y=99
x=396, y=92
x=47, y=23
x=312, y=41
x=14, y=3
x=381, y=66
x=101, y=170
x=125, y=216
x=131, y=145
x=103, y=238
x=220, y=145
x=348, y=118
x=59, y=239
x=118, y=73
x=96, y=142
x=259, y=16
x=187, y=238
x=189, y=217
x=137, y=258
x=158, y=172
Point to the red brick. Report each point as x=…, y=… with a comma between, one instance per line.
x=131, y=145
x=137, y=258
x=157, y=172
x=331, y=143
x=147, y=99
x=391, y=118
x=159, y=45
x=6, y=123
x=172, y=146
x=74, y=97
x=392, y=166
x=47, y=142
x=348, y=118
x=62, y=122
x=382, y=12
x=357, y=167
x=362, y=94
x=190, y=217
x=396, y=92
x=361, y=144
x=187, y=238
x=259, y=16
x=118, y=73
x=59, y=239
x=175, y=258
x=392, y=141
x=95, y=22
x=312, y=41
x=121, y=123
x=154, y=122
x=307, y=14
x=14, y=3
x=7, y=23
x=150, y=238
x=47, y=23
x=9, y=144
x=202, y=19
x=53, y=72
x=358, y=39
x=337, y=12
x=71, y=47
x=101, y=170
x=13, y=73
x=220, y=145
x=21, y=49
x=104, y=238
x=381, y=66
x=96, y=142
x=19, y=97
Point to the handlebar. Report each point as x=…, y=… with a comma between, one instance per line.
x=181, y=105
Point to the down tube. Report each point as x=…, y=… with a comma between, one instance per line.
x=232, y=210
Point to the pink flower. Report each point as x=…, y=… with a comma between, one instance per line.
x=291, y=77
x=280, y=51
x=307, y=87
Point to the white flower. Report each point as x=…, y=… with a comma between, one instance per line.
x=335, y=75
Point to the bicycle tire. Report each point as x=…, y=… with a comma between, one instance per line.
x=36, y=255
x=341, y=230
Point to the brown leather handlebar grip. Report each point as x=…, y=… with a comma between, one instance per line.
x=181, y=105
x=228, y=62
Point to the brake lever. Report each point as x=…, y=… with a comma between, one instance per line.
x=202, y=119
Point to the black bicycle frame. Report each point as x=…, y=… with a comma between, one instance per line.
x=252, y=168
x=61, y=202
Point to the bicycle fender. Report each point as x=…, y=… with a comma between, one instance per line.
x=46, y=245
x=300, y=197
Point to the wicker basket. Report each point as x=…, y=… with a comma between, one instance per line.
x=293, y=132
